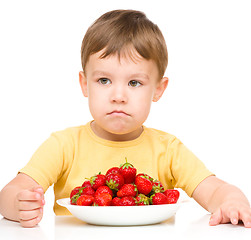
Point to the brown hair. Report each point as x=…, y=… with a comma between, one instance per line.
x=118, y=29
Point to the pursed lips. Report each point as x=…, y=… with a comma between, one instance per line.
x=118, y=113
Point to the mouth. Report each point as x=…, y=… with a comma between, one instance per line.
x=118, y=113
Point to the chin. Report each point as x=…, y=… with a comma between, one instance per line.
x=126, y=132
x=119, y=130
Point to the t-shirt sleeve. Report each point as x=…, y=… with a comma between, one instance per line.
x=45, y=166
x=187, y=171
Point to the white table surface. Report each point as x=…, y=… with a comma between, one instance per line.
x=190, y=222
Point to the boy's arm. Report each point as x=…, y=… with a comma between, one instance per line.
x=226, y=202
x=22, y=200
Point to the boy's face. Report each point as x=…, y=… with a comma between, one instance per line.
x=120, y=93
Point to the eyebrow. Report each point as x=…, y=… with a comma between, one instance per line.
x=100, y=73
x=136, y=75
x=140, y=75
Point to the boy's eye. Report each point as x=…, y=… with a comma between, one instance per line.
x=104, y=81
x=134, y=83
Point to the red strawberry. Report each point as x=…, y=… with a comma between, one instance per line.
x=128, y=172
x=114, y=181
x=74, y=199
x=74, y=191
x=87, y=191
x=85, y=200
x=113, y=170
x=158, y=198
x=142, y=199
x=97, y=181
x=86, y=183
x=116, y=201
x=146, y=176
x=172, y=195
x=144, y=185
x=157, y=186
x=103, y=199
x=127, y=201
x=75, y=195
x=127, y=190
x=103, y=189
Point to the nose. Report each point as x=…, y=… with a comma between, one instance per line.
x=119, y=94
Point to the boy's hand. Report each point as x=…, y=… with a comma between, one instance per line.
x=232, y=211
x=30, y=206
x=226, y=202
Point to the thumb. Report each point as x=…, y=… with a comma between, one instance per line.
x=216, y=218
x=38, y=189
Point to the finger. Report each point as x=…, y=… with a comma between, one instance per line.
x=29, y=215
x=30, y=223
x=234, y=217
x=39, y=190
x=215, y=218
x=28, y=195
x=247, y=224
x=30, y=205
x=246, y=218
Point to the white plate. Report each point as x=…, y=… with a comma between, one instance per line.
x=121, y=215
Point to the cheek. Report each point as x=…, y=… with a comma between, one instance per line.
x=143, y=103
x=96, y=102
x=145, y=109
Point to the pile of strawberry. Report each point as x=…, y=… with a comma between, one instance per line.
x=122, y=186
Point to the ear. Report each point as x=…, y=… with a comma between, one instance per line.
x=161, y=87
x=83, y=83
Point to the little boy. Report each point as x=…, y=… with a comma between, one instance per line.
x=124, y=58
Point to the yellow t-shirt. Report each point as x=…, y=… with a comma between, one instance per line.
x=67, y=157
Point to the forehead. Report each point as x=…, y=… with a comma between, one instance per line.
x=128, y=58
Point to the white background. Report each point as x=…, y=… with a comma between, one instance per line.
x=207, y=102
